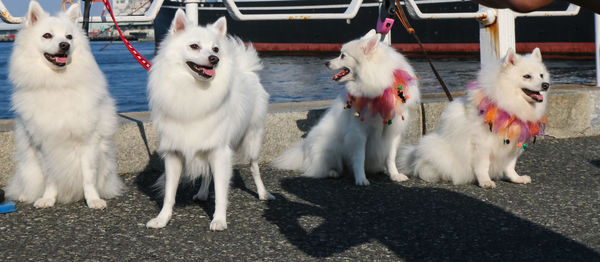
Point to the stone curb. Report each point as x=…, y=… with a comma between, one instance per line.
x=573, y=111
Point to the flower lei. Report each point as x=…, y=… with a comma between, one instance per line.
x=388, y=104
x=505, y=124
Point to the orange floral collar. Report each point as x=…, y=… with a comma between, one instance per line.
x=504, y=123
x=388, y=104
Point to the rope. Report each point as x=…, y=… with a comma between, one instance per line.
x=402, y=17
x=143, y=61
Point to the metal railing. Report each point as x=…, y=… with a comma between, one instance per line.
x=486, y=17
x=349, y=13
x=148, y=16
x=494, y=41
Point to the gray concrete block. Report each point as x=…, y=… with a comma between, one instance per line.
x=572, y=111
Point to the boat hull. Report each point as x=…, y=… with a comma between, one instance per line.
x=556, y=36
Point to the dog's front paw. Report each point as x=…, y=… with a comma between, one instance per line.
x=522, y=180
x=487, y=184
x=362, y=182
x=266, y=196
x=398, y=177
x=218, y=225
x=21, y=198
x=157, y=222
x=96, y=203
x=44, y=202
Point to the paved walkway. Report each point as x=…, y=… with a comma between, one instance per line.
x=555, y=218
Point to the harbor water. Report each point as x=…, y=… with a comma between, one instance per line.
x=286, y=78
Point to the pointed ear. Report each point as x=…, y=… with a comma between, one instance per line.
x=221, y=26
x=73, y=12
x=34, y=14
x=537, y=54
x=511, y=58
x=180, y=22
x=370, y=43
x=371, y=33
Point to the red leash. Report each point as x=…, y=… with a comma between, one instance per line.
x=145, y=63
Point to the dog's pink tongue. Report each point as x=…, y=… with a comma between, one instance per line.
x=209, y=72
x=538, y=97
x=60, y=60
x=339, y=75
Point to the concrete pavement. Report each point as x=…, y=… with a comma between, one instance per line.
x=556, y=218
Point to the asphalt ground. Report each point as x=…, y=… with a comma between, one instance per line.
x=556, y=218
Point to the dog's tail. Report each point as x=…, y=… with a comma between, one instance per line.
x=407, y=160
x=250, y=61
x=291, y=159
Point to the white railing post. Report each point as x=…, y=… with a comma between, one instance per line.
x=497, y=38
x=597, y=25
x=191, y=10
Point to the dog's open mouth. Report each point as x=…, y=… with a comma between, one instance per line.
x=59, y=59
x=535, y=95
x=204, y=71
x=345, y=71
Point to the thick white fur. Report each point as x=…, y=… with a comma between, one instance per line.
x=202, y=122
x=463, y=150
x=65, y=119
x=341, y=140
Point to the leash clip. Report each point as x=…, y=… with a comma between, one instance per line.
x=385, y=20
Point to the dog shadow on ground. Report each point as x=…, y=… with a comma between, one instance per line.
x=312, y=118
x=419, y=224
x=596, y=163
x=147, y=179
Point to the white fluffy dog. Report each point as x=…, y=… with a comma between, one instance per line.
x=482, y=135
x=207, y=102
x=364, y=131
x=65, y=119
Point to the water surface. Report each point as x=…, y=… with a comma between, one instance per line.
x=286, y=78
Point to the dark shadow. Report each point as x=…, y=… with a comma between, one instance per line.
x=312, y=118
x=595, y=162
x=146, y=182
x=417, y=224
x=238, y=182
x=140, y=126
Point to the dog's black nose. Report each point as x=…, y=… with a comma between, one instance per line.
x=545, y=86
x=213, y=59
x=327, y=64
x=64, y=46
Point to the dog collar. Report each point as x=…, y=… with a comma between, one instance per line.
x=503, y=123
x=388, y=104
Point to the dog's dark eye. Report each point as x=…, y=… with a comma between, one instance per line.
x=69, y=37
x=215, y=49
x=194, y=46
x=47, y=35
x=542, y=75
x=527, y=76
x=342, y=56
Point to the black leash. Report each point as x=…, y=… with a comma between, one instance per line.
x=403, y=19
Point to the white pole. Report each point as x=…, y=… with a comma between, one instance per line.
x=597, y=24
x=191, y=10
x=497, y=38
